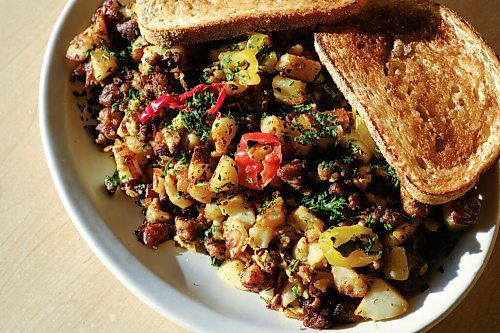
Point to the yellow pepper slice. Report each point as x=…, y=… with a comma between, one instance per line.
x=236, y=60
x=333, y=238
x=362, y=131
x=256, y=43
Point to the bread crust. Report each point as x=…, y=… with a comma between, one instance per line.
x=437, y=146
x=156, y=31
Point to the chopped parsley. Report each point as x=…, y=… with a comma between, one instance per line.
x=354, y=148
x=210, y=231
x=369, y=243
x=303, y=108
x=324, y=127
x=265, y=204
x=196, y=118
x=392, y=176
x=365, y=243
x=113, y=179
x=295, y=265
x=370, y=221
x=330, y=207
x=111, y=182
x=391, y=173
x=167, y=167
x=216, y=262
x=387, y=226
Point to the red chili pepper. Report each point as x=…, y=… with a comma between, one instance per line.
x=251, y=173
x=154, y=108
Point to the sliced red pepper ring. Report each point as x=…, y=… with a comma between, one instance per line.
x=253, y=173
x=154, y=109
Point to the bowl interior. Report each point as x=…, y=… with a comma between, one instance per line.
x=182, y=285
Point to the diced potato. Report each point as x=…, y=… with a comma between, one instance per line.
x=217, y=230
x=126, y=162
x=294, y=311
x=192, y=140
x=402, y=233
x=323, y=280
x=236, y=236
x=267, y=295
x=289, y=91
x=167, y=138
x=199, y=165
x=129, y=126
x=261, y=235
x=80, y=46
x=315, y=256
x=225, y=176
x=301, y=250
x=300, y=124
x=274, y=215
x=94, y=36
x=348, y=282
x=381, y=302
x=230, y=272
x=102, y=64
x=297, y=50
x=180, y=171
x=269, y=62
x=197, y=170
x=361, y=150
x=158, y=181
x=129, y=11
x=273, y=125
x=396, y=264
x=223, y=131
x=177, y=123
x=213, y=212
x=288, y=295
x=312, y=234
x=238, y=208
x=302, y=219
x=176, y=197
x=201, y=191
x=298, y=67
x=154, y=214
x=141, y=150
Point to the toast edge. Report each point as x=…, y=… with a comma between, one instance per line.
x=235, y=27
x=433, y=198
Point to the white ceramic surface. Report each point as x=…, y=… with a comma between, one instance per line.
x=180, y=285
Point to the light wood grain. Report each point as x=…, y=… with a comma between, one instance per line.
x=50, y=281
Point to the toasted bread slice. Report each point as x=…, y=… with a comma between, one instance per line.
x=168, y=22
x=427, y=86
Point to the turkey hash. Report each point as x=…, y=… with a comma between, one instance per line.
x=245, y=150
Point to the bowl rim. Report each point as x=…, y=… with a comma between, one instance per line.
x=114, y=255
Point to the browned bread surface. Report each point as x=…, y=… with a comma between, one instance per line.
x=168, y=22
x=427, y=86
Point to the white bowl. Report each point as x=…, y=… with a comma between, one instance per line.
x=183, y=286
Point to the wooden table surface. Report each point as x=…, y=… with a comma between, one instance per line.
x=50, y=281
